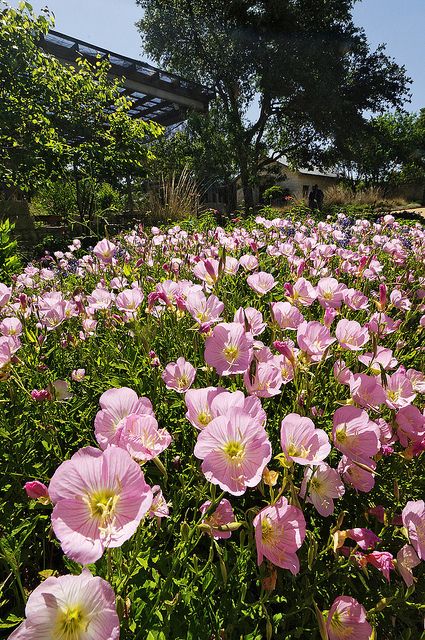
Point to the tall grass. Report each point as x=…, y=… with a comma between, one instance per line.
x=175, y=197
x=338, y=195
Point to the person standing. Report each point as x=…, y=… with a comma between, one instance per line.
x=315, y=198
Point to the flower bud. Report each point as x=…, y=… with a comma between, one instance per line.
x=184, y=531
x=37, y=491
x=270, y=477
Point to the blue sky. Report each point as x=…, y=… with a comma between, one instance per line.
x=110, y=24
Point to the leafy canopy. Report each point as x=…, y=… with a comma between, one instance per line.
x=305, y=62
x=57, y=117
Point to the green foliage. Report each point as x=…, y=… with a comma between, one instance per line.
x=173, y=582
x=305, y=62
x=62, y=122
x=108, y=198
x=272, y=193
x=55, y=197
x=9, y=258
x=391, y=151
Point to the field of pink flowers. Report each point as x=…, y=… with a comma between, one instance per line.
x=216, y=434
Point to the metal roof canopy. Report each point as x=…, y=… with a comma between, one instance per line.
x=156, y=95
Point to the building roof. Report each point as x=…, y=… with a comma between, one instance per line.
x=157, y=95
x=309, y=172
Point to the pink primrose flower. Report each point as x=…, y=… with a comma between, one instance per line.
x=365, y=538
x=342, y=373
x=231, y=266
x=302, y=442
x=286, y=367
x=222, y=515
x=251, y=319
x=407, y=559
x=314, y=339
x=41, y=395
x=179, y=375
x=382, y=324
x=207, y=270
x=303, y=292
x=286, y=315
x=399, y=300
x=116, y=405
x=347, y=620
x=266, y=381
x=381, y=560
x=351, y=335
x=413, y=516
x=105, y=251
x=329, y=316
x=99, y=300
x=410, y=425
x=234, y=451
x=129, y=300
x=261, y=282
x=5, y=294
x=399, y=391
x=330, y=293
x=198, y=404
x=354, y=434
x=383, y=358
x=141, y=437
x=78, y=375
x=229, y=349
x=357, y=477
x=8, y=347
x=248, y=261
x=279, y=533
x=60, y=390
x=159, y=507
x=202, y=309
x=355, y=300
x=321, y=487
x=417, y=380
x=70, y=607
x=11, y=327
x=99, y=499
x=366, y=391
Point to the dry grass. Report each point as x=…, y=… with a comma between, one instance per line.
x=339, y=195
x=175, y=197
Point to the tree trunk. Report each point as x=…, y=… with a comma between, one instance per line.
x=247, y=191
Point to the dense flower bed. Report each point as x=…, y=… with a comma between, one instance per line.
x=217, y=434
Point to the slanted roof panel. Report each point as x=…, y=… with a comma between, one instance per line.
x=157, y=95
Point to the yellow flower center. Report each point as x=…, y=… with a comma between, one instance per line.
x=71, y=624
x=340, y=626
x=103, y=504
x=267, y=532
x=204, y=418
x=393, y=395
x=299, y=452
x=183, y=381
x=341, y=435
x=315, y=484
x=234, y=450
x=293, y=450
x=230, y=352
x=202, y=316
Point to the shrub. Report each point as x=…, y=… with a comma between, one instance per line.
x=10, y=262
